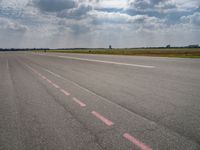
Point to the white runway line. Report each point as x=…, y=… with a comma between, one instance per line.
x=101, y=61
x=107, y=62
x=53, y=73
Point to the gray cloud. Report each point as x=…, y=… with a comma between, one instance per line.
x=151, y=4
x=195, y=19
x=54, y=5
x=75, y=13
x=139, y=4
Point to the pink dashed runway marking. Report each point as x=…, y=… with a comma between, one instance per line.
x=39, y=74
x=102, y=118
x=79, y=102
x=136, y=142
x=106, y=121
x=49, y=81
x=65, y=92
x=55, y=85
x=43, y=77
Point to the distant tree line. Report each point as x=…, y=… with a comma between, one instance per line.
x=22, y=49
x=110, y=47
x=189, y=46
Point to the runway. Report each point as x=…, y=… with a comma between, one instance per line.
x=98, y=102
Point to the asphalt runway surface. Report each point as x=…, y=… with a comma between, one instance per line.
x=52, y=101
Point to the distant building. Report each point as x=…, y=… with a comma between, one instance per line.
x=110, y=46
x=193, y=46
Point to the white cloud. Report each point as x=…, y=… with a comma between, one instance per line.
x=98, y=23
x=10, y=25
x=193, y=19
x=136, y=21
x=112, y=4
x=187, y=4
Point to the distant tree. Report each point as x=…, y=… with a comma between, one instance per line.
x=168, y=46
x=110, y=46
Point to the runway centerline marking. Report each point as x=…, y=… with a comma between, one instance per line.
x=102, y=118
x=44, y=77
x=49, y=81
x=79, y=102
x=65, y=92
x=136, y=142
x=55, y=85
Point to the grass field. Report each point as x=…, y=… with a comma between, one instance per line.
x=159, y=52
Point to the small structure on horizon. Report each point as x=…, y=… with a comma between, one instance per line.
x=110, y=46
x=168, y=46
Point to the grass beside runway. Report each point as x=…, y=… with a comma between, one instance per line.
x=157, y=52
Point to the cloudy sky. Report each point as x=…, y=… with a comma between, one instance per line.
x=98, y=23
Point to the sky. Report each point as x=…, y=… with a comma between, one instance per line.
x=98, y=23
